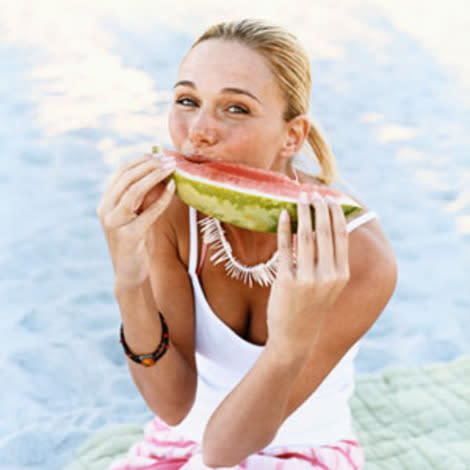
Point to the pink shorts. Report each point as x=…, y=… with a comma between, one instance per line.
x=164, y=449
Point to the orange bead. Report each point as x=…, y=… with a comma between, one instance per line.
x=148, y=361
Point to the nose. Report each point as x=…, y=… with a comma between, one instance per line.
x=203, y=129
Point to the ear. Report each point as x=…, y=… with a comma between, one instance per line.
x=296, y=133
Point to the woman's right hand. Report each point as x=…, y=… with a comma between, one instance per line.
x=136, y=197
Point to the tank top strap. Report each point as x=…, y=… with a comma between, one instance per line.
x=193, y=240
x=193, y=246
x=360, y=220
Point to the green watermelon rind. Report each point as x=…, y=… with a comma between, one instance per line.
x=254, y=212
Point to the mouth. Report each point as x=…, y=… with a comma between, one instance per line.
x=197, y=158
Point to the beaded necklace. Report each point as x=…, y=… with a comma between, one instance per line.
x=263, y=274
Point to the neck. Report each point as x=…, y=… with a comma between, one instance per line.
x=251, y=247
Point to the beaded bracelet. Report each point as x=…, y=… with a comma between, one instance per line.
x=148, y=360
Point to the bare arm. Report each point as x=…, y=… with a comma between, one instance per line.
x=288, y=376
x=169, y=386
x=149, y=277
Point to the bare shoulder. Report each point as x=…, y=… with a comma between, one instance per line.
x=373, y=269
x=370, y=250
x=372, y=282
x=168, y=239
x=172, y=227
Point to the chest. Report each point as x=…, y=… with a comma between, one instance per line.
x=240, y=307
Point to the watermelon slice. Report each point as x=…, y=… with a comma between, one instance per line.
x=246, y=197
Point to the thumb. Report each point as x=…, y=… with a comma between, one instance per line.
x=155, y=208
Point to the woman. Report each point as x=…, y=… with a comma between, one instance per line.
x=274, y=371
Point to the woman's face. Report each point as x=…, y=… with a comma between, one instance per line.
x=228, y=106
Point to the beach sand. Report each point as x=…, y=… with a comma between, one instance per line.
x=84, y=88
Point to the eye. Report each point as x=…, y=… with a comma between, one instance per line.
x=185, y=102
x=236, y=109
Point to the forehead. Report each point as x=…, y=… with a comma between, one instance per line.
x=221, y=63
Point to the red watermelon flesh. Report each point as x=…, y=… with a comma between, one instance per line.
x=244, y=196
x=248, y=178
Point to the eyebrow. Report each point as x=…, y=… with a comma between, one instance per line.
x=238, y=91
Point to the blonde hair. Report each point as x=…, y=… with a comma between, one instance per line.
x=291, y=67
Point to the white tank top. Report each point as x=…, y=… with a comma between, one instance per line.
x=223, y=358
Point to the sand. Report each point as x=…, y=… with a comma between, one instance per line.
x=85, y=87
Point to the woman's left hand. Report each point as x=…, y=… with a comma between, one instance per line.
x=304, y=292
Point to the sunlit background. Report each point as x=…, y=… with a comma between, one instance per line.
x=85, y=86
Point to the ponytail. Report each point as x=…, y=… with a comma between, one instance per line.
x=318, y=150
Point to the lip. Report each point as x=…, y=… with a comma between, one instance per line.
x=198, y=158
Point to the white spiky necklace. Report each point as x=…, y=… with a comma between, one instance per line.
x=263, y=274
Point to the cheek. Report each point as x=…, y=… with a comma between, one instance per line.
x=176, y=126
x=253, y=146
x=266, y=137
x=242, y=143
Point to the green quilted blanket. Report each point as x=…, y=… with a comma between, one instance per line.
x=406, y=418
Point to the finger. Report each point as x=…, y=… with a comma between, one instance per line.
x=125, y=211
x=284, y=244
x=108, y=200
x=130, y=177
x=305, y=244
x=128, y=166
x=135, y=194
x=340, y=238
x=323, y=236
x=151, y=214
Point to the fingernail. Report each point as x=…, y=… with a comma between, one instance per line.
x=329, y=200
x=171, y=185
x=284, y=217
x=317, y=197
x=303, y=197
x=169, y=166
